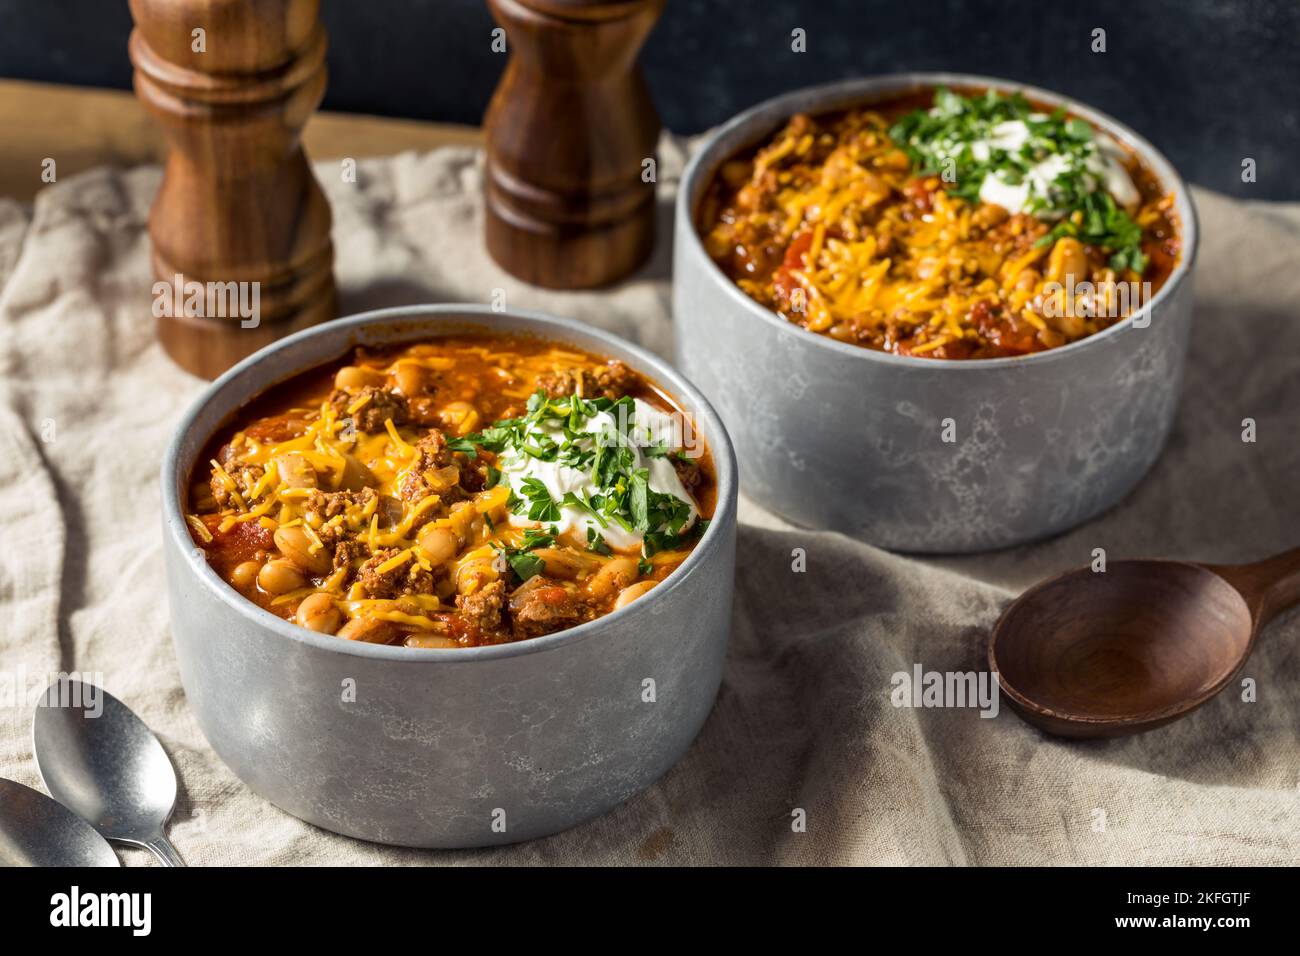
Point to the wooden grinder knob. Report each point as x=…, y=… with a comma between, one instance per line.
x=238, y=202
x=569, y=131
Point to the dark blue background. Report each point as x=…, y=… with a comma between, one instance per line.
x=1209, y=81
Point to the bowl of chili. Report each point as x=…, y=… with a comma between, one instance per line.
x=939, y=312
x=441, y=576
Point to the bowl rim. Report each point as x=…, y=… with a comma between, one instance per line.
x=547, y=327
x=750, y=125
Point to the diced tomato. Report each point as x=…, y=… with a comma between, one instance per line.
x=794, y=252
x=277, y=429
x=783, y=283
x=240, y=542
x=920, y=193
x=1009, y=337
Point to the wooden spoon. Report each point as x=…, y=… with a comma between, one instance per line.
x=1104, y=654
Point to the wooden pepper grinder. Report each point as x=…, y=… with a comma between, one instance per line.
x=569, y=131
x=239, y=218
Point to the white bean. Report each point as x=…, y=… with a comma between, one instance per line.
x=630, y=594
x=613, y=574
x=353, y=377
x=295, y=545
x=437, y=544
x=318, y=613
x=562, y=563
x=372, y=630
x=244, y=574
x=294, y=470
x=429, y=639
x=280, y=576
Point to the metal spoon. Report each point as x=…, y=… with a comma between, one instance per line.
x=102, y=761
x=38, y=831
x=1135, y=646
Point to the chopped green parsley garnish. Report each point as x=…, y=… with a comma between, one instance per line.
x=527, y=565
x=554, y=430
x=960, y=141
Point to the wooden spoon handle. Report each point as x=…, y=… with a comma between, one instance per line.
x=1269, y=586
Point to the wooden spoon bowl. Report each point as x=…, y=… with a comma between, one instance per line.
x=1103, y=654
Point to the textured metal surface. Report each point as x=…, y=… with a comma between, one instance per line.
x=458, y=747
x=104, y=763
x=836, y=436
x=36, y=830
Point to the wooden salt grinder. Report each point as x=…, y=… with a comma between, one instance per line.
x=568, y=132
x=238, y=202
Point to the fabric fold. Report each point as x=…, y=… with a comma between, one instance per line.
x=32, y=648
x=805, y=758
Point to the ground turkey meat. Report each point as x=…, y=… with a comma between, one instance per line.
x=407, y=578
x=328, y=504
x=370, y=418
x=245, y=477
x=474, y=477
x=688, y=472
x=482, y=609
x=609, y=381
x=542, y=606
x=431, y=455
x=346, y=552
x=322, y=506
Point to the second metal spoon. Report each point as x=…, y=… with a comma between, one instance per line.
x=38, y=831
x=100, y=760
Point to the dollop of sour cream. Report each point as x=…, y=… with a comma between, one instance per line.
x=1102, y=164
x=649, y=427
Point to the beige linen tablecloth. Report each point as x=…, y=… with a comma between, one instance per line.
x=804, y=719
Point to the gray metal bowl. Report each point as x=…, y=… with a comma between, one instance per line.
x=457, y=747
x=832, y=435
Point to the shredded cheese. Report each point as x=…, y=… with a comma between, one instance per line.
x=344, y=486
x=879, y=256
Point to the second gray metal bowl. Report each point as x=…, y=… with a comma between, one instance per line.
x=456, y=747
x=837, y=436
